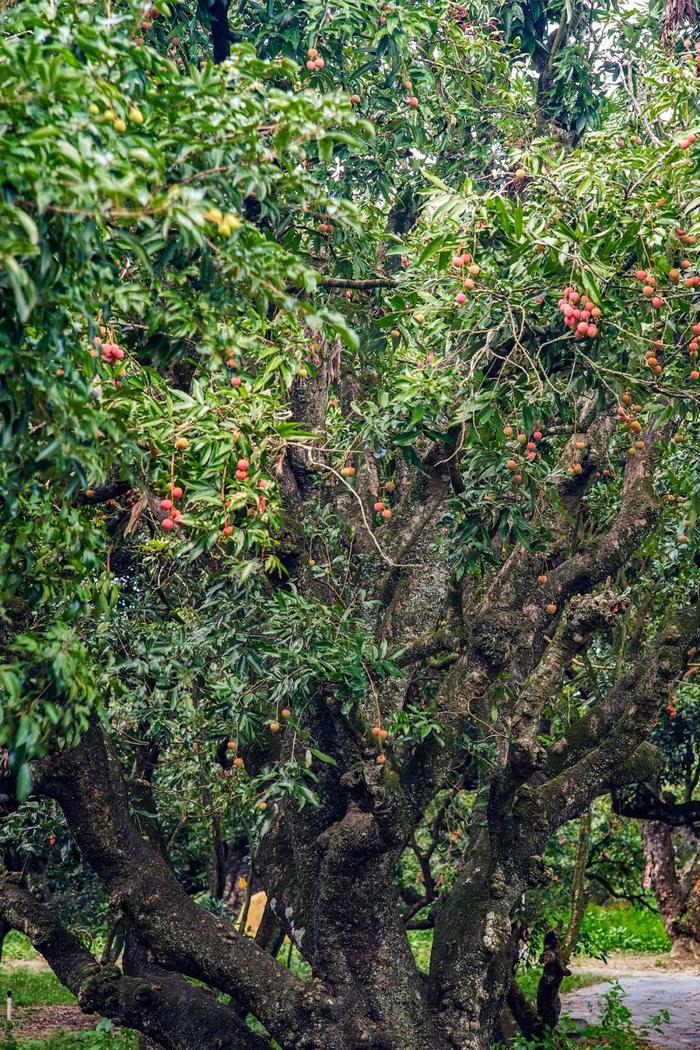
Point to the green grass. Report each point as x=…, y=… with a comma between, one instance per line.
x=90, y=1040
x=621, y=928
x=17, y=946
x=42, y=988
x=34, y=987
x=604, y=930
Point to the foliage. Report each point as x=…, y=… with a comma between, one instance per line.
x=35, y=840
x=134, y=211
x=677, y=735
x=246, y=309
x=16, y=946
x=143, y=184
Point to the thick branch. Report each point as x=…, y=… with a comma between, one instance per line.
x=427, y=645
x=612, y=751
x=359, y=285
x=604, y=715
x=586, y=614
x=553, y=973
x=511, y=626
x=88, y=784
x=604, y=555
x=104, y=493
x=644, y=804
x=178, y=1015
x=578, y=890
x=216, y=13
x=660, y=857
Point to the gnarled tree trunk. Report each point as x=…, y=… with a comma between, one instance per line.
x=679, y=904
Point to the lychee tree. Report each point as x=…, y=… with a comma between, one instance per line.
x=350, y=410
x=668, y=814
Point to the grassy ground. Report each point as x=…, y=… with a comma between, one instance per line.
x=41, y=988
x=32, y=987
x=621, y=928
x=96, y=1040
x=604, y=930
x=16, y=946
x=615, y=929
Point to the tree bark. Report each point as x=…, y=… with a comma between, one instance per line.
x=680, y=911
x=160, y=1005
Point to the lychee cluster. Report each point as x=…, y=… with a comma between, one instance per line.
x=225, y=224
x=314, y=60
x=380, y=736
x=465, y=263
x=381, y=508
x=649, y=288
x=173, y=515
x=686, y=238
x=412, y=100
x=109, y=351
x=651, y=356
x=529, y=447
x=690, y=280
x=627, y=414
x=580, y=313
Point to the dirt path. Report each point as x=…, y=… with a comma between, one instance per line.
x=40, y=1022
x=651, y=983
x=35, y=965
x=43, y=1021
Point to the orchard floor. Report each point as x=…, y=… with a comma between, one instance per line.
x=37, y=1023
x=651, y=983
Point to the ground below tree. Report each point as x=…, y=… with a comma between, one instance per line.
x=651, y=983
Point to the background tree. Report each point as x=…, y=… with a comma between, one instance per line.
x=668, y=810
x=350, y=415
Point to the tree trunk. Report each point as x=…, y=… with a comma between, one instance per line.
x=688, y=938
x=680, y=912
x=578, y=889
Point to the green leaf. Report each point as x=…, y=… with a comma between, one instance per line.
x=23, y=783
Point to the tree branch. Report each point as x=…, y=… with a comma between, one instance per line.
x=586, y=614
x=644, y=804
x=605, y=553
x=430, y=644
x=178, y=1015
x=215, y=12
x=612, y=742
x=88, y=784
x=103, y=493
x=360, y=285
